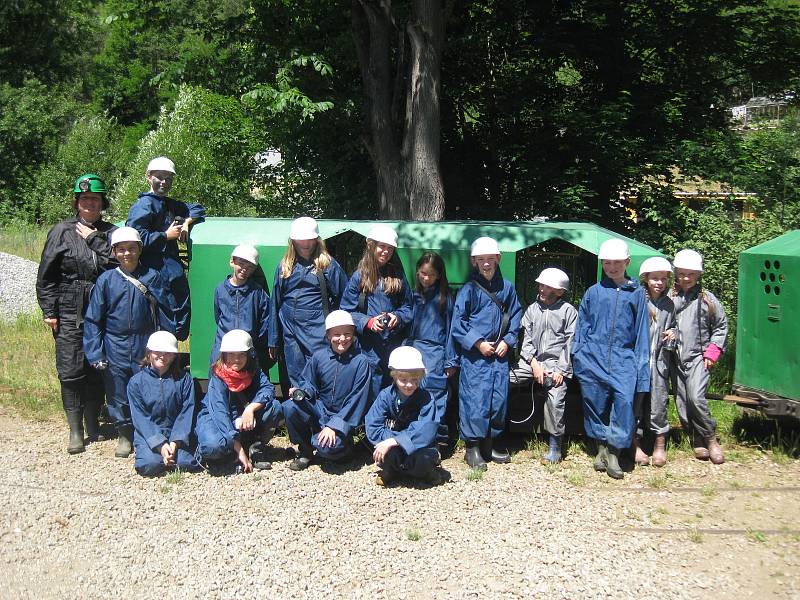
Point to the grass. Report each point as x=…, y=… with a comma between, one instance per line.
x=695, y=536
x=413, y=534
x=475, y=474
x=576, y=477
x=708, y=491
x=174, y=477
x=23, y=240
x=756, y=536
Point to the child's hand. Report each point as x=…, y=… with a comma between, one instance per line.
x=248, y=419
x=184, y=232
x=393, y=320
x=327, y=437
x=381, y=449
x=538, y=371
x=173, y=232
x=167, y=456
x=558, y=378
x=502, y=349
x=485, y=348
x=51, y=323
x=247, y=466
x=708, y=363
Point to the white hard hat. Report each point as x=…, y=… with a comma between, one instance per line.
x=125, y=234
x=337, y=318
x=236, y=340
x=246, y=252
x=613, y=249
x=162, y=341
x=304, y=228
x=383, y=234
x=555, y=278
x=483, y=246
x=690, y=260
x=161, y=163
x=655, y=263
x=406, y=358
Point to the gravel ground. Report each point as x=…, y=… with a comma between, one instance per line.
x=88, y=526
x=18, y=289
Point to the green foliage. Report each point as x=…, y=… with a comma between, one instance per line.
x=212, y=143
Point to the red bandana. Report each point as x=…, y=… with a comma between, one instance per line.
x=235, y=380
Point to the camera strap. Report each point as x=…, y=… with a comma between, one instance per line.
x=504, y=322
x=146, y=293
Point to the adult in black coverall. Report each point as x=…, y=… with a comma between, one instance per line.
x=77, y=250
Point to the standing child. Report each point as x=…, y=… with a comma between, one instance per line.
x=402, y=425
x=332, y=397
x=240, y=302
x=703, y=329
x=161, y=397
x=548, y=327
x=486, y=319
x=127, y=305
x=379, y=299
x=239, y=413
x=161, y=222
x=309, y=284
x=430, y=333
x=611, y=355
x=654, y=277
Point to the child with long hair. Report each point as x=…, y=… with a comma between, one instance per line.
x=161, y=398
x=379, y=299
x=703, y=329
x=309, y=284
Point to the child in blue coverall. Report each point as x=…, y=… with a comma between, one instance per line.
x=486, y=320
x=127, y=305
x=161, y=222
x=161, y=398
x=331, y=400
x=611, y=356
x=240, y=302
x=379, y=299
x=239, y=413
x=402, y=425
x=298, y=308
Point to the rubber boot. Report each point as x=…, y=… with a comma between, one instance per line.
x=75, y=421
x=485, y=446
x=495, y=454
x=304, y=457
x=699, y=448
x=91, y=419
x=715, y=450
x=553, y=455
x=660, y=450
x=613, y=469
x=124, y=442
x=601, y=459
x=639, y=456
x=473, y=456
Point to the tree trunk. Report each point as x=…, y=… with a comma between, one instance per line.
x=403, y=146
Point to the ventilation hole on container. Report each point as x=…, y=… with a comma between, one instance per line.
x=777, y=264
x=767, y=289
x=763, y=276
x=777, y=291
x=772, y=276
x=782, y=278
x=767, y=264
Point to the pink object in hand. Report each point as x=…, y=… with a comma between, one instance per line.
x=712, y=353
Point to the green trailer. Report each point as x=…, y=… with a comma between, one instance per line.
x=526, y=247
x=767, y=374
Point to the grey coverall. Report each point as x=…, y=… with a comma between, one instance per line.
x=654, y=417
x=547, y=332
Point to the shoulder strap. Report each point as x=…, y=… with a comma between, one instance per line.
x=323, y=289
x=506, y=317
x=146, y=293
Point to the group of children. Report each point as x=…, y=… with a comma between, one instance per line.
x=372, y=352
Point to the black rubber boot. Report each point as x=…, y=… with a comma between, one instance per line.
x=601, y=460
x=496, y=454
x=91, y=419
x=124, y=442
x=612, y=468
x=305, y=455
x=473, y=456
x=486, y=448
x=75, y=420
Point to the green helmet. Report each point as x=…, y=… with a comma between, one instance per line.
x=89, y=183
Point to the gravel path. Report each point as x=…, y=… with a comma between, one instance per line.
x=88, y=526
x=18, y=287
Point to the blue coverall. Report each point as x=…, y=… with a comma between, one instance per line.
x=116, y=327
x=412, y=423
x=220, y=407
x=430, y=334
x=377, y=346
x=611, y=358
x=338, y=387
x=296, y=320
x=162, y=410
x=483, y=383
x=151, y=216
x=243, y=307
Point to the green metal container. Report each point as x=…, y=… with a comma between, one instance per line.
x=768, y=330
x=526, y=248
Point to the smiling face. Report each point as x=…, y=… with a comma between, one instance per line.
x=341, y=338
x=383, y=253
x=548, y=295
x=427, y=276
x=486, y=264
x=657, y=282
x=160, y=182
x=127, y=253
x=161, y=361
x=89, y=206
x=406, y=384
x=235, y=360
x=242, y=269
x=304, y=248
x=615, y=269
x=686, y=278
